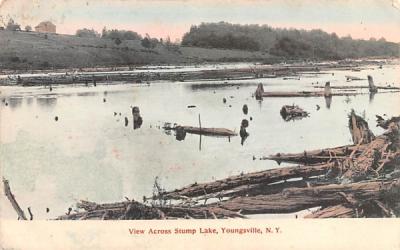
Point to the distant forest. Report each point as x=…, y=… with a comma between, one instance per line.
x=288, y=43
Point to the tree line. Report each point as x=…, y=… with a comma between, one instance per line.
x=119, y=35
x=12, y=25
x=289, y=43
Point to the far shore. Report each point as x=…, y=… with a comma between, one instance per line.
x=182, y=72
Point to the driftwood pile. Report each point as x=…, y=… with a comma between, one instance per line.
x=359, y=180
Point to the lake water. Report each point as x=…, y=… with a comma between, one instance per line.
x=89, y=153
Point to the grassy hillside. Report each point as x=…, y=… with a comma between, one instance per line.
x=31, y=50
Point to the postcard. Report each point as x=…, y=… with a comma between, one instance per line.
x=227, y=124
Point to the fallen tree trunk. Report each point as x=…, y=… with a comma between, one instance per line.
x=11, y=198
x=260, y=93
x=297, y=199
x=203, y=131
x=262, y=177
x=259, y=189
x=336, y=211
x=318, y=156
x=353, y=78
x=132, y=210
x=358, y=87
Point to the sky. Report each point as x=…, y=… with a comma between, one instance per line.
x=161, y=18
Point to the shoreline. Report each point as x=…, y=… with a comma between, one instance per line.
x=179, y=72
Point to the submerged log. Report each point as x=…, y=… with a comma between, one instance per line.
x=350, y=87
x=353, y=78
x=260, y=93
x=293, y=94
x=203, y=131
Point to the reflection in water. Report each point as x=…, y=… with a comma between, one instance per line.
x=46, y=102
x=208, y=86
x=371, y=96
x=180, y=134
x=243, y=133
x=87, y=94
x=126, y=121
x=260, y=102
x=15, y=102
x=137, y=119
x=328, y=101
x=29, y=100
x=137, y=123
x=287, y=118
x=245, y=109
x=347, y=100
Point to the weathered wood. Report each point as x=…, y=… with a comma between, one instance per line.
x=289, y=189
x=371, y=85
x=258, y=189
x=353, y=78
x=327, y=90
x=385, y=123
x=336, y=211
x=372, y=158
x=131, y=210
x=297, y=199
x=260, y=93
x=204, y=131
x=265, y=177
x=319, y=155
x=359, y=129
x=291, y=112
x=293, y=94
x=358, y=87
x=11, y=198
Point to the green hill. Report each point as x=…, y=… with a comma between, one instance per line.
x=287, y=43
x=31, y=50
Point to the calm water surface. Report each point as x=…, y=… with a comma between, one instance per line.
x=89, y=153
